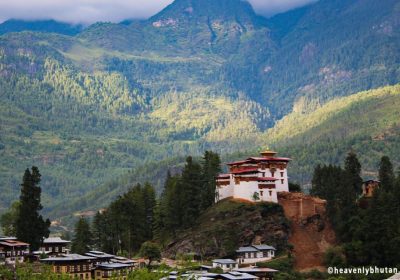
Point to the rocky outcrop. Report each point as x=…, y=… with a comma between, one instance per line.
x=311, y=233
x=230, y=224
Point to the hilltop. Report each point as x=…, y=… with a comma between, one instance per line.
x=298, y=224
x=229, y=224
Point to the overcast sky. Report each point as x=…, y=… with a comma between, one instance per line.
x=89, y=11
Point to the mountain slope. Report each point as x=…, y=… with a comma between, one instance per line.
x=201, y=74
x=367, y=123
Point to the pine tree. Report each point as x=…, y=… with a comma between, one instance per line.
x=211, y=166
x=191, y=186
x=386, y=174
x=30, y=225
x=352, y=168
x=149, y=199
x=82, y=241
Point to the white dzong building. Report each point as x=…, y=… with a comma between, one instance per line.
x=254, y=179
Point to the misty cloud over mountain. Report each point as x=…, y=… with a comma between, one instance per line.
x=90, y=11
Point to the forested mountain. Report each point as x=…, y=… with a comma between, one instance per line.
x=47, y=26
x=132, y=99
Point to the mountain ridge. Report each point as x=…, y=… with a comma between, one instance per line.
x=138, y=91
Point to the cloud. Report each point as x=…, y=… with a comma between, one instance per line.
x=271, y=7
x=89, y=11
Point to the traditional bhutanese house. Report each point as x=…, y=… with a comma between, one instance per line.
x=54, y=246
x=100, y=257
x=254, y=179
x=73, y=264
x=12, y=251
x=255, y=253
x=368, y=187
x=112, y=270
x=225, y=264
x=261, y=272
x=235, y=275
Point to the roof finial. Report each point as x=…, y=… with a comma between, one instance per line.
x=268, y=153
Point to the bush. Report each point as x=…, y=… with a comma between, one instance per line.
x=334, y=257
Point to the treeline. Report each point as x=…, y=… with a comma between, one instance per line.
x=139, y=216
x=369, y=235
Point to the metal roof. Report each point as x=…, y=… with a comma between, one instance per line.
x=256, y=269
x=68, y=257
x=246, y=249
x=113, y=265
x=13, y=243
x=51, y=240
x=224, y=261
x=238, y=276
x=97, y=254
x=263, y=247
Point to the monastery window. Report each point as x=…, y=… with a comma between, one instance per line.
x=270, y=193
x=282, y=174
x=282, y=181
x=272, y=173
x=261, y=193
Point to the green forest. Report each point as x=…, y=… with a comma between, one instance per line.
x=102, y=108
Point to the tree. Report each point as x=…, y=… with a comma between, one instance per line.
x=352, y=168
x=30, y=226
x=256, y=196
x=386, y=174
x=151, y=251
x=149, y=199
x=190, y=186
x=293, y=187
x=211, y=166
x=9, y=219
x=82, y=241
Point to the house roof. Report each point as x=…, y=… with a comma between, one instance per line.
x=220, y=176
x=259, y=159
x=99, y=255
x=246, y=249
x=110, y=266
x=117, y=259
x=224, y=261
x=238, y=275
x=256, y=269
x=55, y=240
x=263, y=247
x=68, y=257
x=269, y=159
x=7, y=238
x=237, y=162
x=13, y=243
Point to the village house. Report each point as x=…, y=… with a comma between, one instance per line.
x=225, y=264
x=109, y=270
x=73, y=264
x=12, y=251
x=255, y=253
x=254, y=179
x=54, y=246
x=368, y=188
